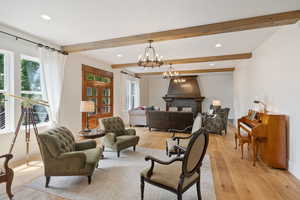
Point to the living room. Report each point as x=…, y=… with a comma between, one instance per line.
x=127, y=80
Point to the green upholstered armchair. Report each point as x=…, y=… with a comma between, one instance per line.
x=217, y=123
x=62, y=156
x=116, y=136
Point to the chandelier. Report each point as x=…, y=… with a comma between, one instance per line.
x=170, y=73
x=150, y=58
x=179, y=80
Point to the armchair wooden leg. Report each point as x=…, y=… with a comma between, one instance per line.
x=118, y=154
x=242, y=148
x=167, y=150
x=198, y=190
x=133, y=148
x=89, y=179
x=235, y=139
x=47, y=181
x=179, y=196
x=8, y=184
x=142, y=187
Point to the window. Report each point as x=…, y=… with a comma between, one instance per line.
x=132, y=94
x=5, y=111
x=32, y=86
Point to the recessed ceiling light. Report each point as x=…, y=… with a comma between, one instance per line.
x=120, y=55
x=46, y=17
x=218, y=45
x=212, y=64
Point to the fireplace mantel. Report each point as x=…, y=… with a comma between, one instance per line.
x=185, y=94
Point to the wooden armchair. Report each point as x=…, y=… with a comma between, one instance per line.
x=182, y=141
x=180, y=173
x=8, y=175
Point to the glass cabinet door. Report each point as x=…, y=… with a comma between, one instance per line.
x=106, y=98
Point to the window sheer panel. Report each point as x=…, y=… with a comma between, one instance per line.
x=132, y=94
x=32, y=86
x=6, y=107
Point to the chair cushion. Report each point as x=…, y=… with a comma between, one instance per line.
x=171, y=143
x=127, y=138
x=169, y=175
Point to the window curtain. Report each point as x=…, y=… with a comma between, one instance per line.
x=138, y=93
x=53, y=65
x=124, y=103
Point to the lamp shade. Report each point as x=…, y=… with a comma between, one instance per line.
x=216, y=103
x=87, y=106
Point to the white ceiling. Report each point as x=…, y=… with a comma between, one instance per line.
x=75, y=21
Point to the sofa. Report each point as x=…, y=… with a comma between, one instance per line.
x=62, y=156
x=167, y=120
x=116, y=136
x=138, y=116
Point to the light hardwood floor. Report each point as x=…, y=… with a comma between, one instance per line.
x=234, y=178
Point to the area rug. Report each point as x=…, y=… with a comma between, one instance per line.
x=119, y=179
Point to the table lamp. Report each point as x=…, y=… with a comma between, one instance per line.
x=216, y=103
x=87, y=107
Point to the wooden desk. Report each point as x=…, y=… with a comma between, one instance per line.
x=268, y=138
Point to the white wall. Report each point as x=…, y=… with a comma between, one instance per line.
x=70, y=114
x=18, y=48
x=212, y=86
x=272, y=75
x=217, y=86
x=72, y=90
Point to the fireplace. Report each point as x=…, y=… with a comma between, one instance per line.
x=184, y=94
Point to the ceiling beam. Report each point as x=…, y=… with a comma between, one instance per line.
x=264, y=21
x=193, y=60
x=197, y=71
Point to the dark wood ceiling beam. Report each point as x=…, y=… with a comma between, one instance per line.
x=193, y=60
x=264, y=21
x=197, y=71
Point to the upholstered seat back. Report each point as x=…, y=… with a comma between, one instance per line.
x=195, y=151
x=197, y=124
x=114, y=125
x=56, y=141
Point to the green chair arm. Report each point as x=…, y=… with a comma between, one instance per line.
x=88, y=144
x=109, y=138
x=130, y=131
x=72, y=160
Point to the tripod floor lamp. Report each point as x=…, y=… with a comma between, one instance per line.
x=27, y=118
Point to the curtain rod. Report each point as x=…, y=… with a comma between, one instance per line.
x=135, y=76
x=38, y=44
